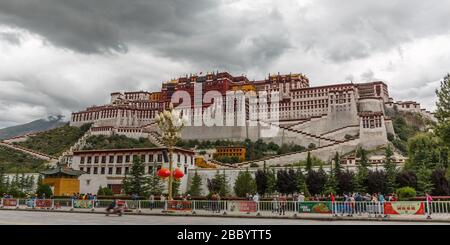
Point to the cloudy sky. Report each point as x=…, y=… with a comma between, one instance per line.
x=63, y=55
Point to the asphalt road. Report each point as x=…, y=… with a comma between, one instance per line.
x=50, y=218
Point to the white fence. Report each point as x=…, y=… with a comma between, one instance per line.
x=260, y=208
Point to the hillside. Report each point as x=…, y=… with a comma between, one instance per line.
x=55, y=141
x=11, y=160
x=116, y=142
x=32, y=127
x=406, y=125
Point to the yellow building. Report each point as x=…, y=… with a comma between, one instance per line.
x=230, y=151
x=244, y=87
x=155, y=96
x=63, y=180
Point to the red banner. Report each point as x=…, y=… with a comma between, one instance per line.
x=44, y=203
x=247, y=207
x=179, y=205
x=9, y=202
x=404, y=208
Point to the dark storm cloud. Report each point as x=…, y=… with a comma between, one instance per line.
x=195, y=30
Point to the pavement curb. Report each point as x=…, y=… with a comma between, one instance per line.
x=244, y=216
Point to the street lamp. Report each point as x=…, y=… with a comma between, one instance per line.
x=170, y=126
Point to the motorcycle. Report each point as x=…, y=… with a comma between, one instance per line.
x=117, y=209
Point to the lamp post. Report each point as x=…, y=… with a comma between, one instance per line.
x=170, y=126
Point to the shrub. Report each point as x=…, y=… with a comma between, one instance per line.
x=44, y=189
x=406, y=193
x=104, y=191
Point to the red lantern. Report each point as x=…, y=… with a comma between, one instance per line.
x=164, y=173
x=178, y=174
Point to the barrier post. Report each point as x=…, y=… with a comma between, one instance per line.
x=165, y=205
x=257, y=209
x=17, y=203
x=53, y=204
x=295, y=208
x=1, y=203
x=193, y=207
x=93, y=205
x=139, y=206
x=71, y=205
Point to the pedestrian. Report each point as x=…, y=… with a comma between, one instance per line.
x=151, y=199
x=429, y=201
x=275, y=206
x=301, y=197
x=283, y=204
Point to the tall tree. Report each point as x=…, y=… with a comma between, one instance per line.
x=300, y=181
x=218, y=184
x=376, y=182
x=346, y=184
x=271, y=181
x=315, y=180
x=363, y=171
x=136, y=182
x=424, y=183
x=423, y=150
x=245, y=184
x=309, y=163
x=407, y=178
x=196, y=186
x=155, y=184
x=443, y=110
x=440, y=183
x=261, y=181
x=391, y=170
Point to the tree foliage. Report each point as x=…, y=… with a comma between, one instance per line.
x=196, y=185
x=245, y=184
x=135, y=182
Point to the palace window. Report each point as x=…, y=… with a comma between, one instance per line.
x=111, y=159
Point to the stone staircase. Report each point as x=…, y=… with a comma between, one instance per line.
x=81, y=142
x=155, y=138
x=324, y=140
x=324, y=153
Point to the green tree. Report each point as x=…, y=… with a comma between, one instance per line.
x=196, y=186
x=423, y=149
x=361, y=176
x=155, y=184
x=135, y=182
x=391, y=170
x=443, y=110
x=44, y=189
x=176, y=187
x=300, y=181
x=261, y=181
x=331, y=184
x=218, y=184
x=424, y=183
x=245, y=184
x=271, y=181
x=104, y=191
x=309, y=163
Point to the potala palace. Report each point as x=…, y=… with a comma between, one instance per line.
x=333, y=118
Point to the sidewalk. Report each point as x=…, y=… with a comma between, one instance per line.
x=264, y=215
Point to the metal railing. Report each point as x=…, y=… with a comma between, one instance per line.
x=259, y=208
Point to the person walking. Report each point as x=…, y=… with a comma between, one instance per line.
x=151, y=200
x=283, y=201
x=429, y=201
